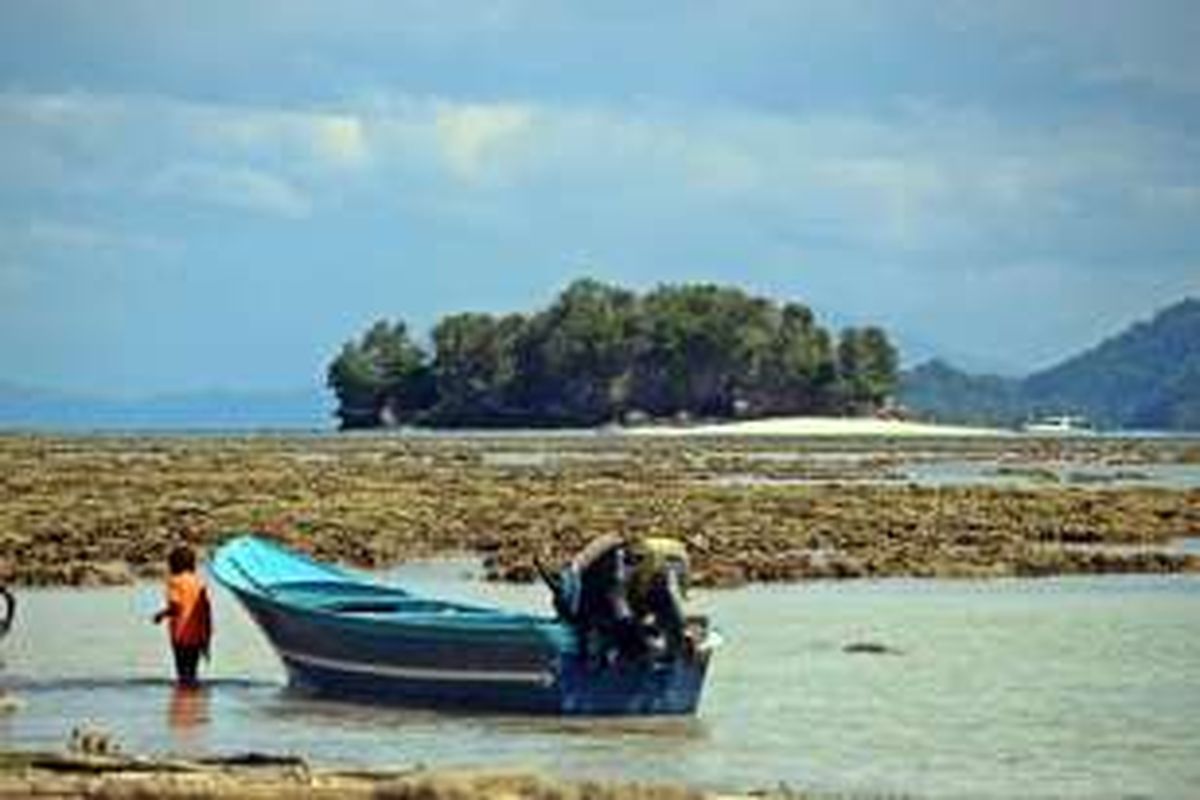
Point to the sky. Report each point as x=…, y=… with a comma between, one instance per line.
x=217, y=195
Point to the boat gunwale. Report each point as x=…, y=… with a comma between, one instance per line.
x=470, y=619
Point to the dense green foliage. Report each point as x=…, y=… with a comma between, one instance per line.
x=380, y=378
x=1146, y=377
x=600, y=353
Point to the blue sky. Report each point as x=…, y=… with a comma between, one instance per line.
x=217, y=195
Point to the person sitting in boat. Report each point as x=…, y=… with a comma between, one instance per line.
x=625, y=595
x=657, y=586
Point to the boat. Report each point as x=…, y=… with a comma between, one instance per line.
x=1058, y=425
x=340, y=633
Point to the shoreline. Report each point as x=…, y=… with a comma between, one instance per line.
x=844, y=427
x=266, y=776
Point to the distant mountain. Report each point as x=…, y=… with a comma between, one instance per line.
x=29, y=408
x=937, y=390
x=1148, y=376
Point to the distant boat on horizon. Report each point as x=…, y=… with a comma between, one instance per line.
x=1059, y=425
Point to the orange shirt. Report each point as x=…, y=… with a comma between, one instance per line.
x=191, y=624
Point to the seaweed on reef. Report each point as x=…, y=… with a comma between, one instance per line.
x=98, y=510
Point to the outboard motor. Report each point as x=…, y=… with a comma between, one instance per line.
x=624, y=597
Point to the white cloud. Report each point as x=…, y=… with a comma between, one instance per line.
x=721, y=169
x=895, y=195
x=312, y=138
x=61, y=110
x=922, y=177
x=233, y=187
x=749, y=143
x=340, y=138
x=472, y=136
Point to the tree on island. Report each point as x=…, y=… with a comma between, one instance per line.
x=476, y=369
x=600, y=353
x=867, y=365
x=382, y=378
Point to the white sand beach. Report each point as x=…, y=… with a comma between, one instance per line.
x=821, y=426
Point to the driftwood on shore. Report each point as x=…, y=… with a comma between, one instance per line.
x=262, y=776
x=94, y=510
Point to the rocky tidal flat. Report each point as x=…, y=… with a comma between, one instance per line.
x=92, y=510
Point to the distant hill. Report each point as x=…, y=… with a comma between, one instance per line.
x=939, y=391
x=28, y=408
x=1146, y=377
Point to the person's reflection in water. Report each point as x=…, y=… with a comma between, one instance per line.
x=188, y=712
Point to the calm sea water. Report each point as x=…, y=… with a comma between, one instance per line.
x=1079, y=687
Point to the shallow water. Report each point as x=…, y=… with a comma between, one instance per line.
x=1066, y=687
x=991, y=472
x=1053, y=473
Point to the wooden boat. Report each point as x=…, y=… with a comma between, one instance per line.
x=343, y=634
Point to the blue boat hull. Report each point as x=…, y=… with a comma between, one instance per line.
x=343, y=637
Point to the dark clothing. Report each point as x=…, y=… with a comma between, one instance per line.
x=10, y=609
x=627, y=595
x=664, y=604
x=187, y=659
x=599, y=608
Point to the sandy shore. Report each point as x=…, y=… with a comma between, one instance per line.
x=825, y=426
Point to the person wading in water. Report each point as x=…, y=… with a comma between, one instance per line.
x=189, y=612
